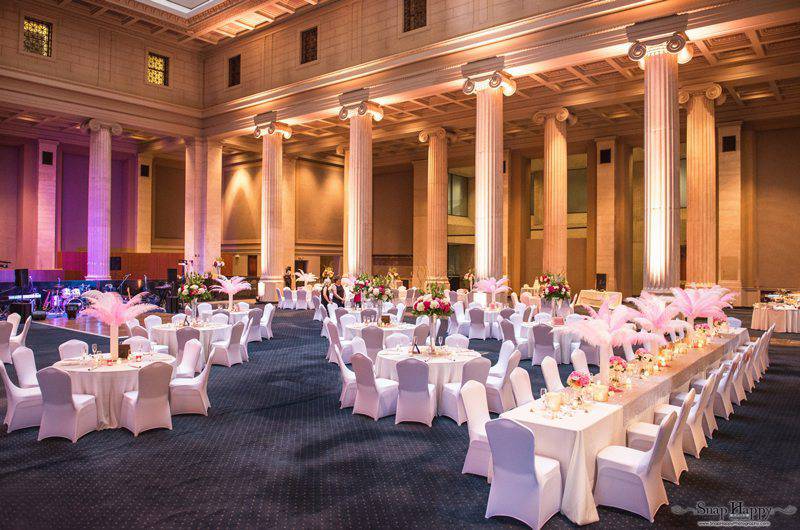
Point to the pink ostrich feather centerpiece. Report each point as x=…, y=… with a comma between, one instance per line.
x=493, y=286
x=112, y=310
x=701, y=303
x=231, y=286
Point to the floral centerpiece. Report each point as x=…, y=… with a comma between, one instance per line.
x=617, y=367
x=194, y=290
x=493, y=286
x=657, y=315
x=393, y=276
x=469, y=277
x=578, y=380
x=703, y=302
x=554, y=287
x=218, y=264
x=643, y=356
x=327, y=273
x=110, y=309
x=359, y=288
x=231, y=286
x=379, y=292
x=433, y=304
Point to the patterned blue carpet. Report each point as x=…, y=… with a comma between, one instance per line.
x=276, y=451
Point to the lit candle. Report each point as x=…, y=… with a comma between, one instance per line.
x=601, y=393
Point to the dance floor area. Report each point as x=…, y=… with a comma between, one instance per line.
x=276, y=451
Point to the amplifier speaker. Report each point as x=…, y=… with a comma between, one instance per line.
x=39, y=315
x=21, y=278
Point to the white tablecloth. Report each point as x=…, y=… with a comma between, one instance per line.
x=237, y=316
x=108, y=384
x=786, y=319
x=166, y=334
x=354, y=330
x=563, y=334
x=442, y=369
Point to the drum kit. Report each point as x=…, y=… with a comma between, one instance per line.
x=58, y=298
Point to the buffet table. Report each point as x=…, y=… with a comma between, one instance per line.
x=576, y=440
x=786, y=318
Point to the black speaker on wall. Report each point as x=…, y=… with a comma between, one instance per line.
x=172, y=275
x=600, y=281
x=115, y=263
x=21, y=278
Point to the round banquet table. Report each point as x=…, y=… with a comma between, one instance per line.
x=354, y=330
x=167, y=334
x=786, y=318
x=563, y=334
x=108, y=384
x=442, y=369
x=237, y=316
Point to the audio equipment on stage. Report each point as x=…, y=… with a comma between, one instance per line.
x=21, y=278
x=39, y=315
x=23, y=309
x=172, y=275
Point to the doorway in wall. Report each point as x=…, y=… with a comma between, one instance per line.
x=301, y=264
x=252, y=264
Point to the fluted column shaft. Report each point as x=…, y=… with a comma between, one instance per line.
x=661, y=159
x=359, y=196
x=555, y=196
x=701, y=190
x=98, y=242
x=489, y=183
x=271, y=219
x=203, y=203
x=437, y=204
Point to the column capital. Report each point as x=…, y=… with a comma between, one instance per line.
x=361, y=108
x=556, y=113
x=94, y=125
x=342, y=149
x=487, y=73
x=712, y=91
x=267, y=124
x=436, y=132
x=659, y=35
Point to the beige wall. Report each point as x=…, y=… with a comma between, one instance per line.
x=168, y=203
x=393, y=211
x=319, y=207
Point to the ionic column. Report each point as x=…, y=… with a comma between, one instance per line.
x=555, y=187
x=98, y=242
x=489, y=83
x=344, y=152
x=661, y=158
x=701, y=181
x=203, y=203
x=46, y=201
x=358, y=183
x=437, y=139
x=272, y=134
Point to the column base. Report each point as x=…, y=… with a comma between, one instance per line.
x=266, y=289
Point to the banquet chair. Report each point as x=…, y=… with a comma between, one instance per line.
x=514, y=299
x=319, y=309
x=183, y=336
x=204, y=307
x=347, y=397
x=359, y=346
x=527, y=314
x=178, y=318
x=463, y=320
x=332, y=307
x=477, y=324
x=229, y=351
x=737, y=394
x=510, y=334
x=64, y=414
x=288, y=298
x=345, y=321
x=248, y=322
x=542, y=317
x=416, y=398
x=373, y=338
x=220, y=318
x=189, y=358
x=279, y=294
x=139, y=331
x=369, y=315
x=552, y=379
x=643, y=435
x=630, y=479
x=453, y=296
x=5, y=341
x=25, y=367
x=139, y=344
x=190, y=395
x=397, y=340
x=148, y=407
x=499, y=393
x=18, y=340
x=479, y=456
x=499, y=368
x=23, y=405
x=709, y=422
x=521, y=385
x=345, y=346
x=721, y=404
x=694, y=439
x=376, y=397
x=544, y=343
x=222, y=312
x=338, y=314
x=302, y=302
x=525, y=486
x=72, y=348
x=591, y=352
x=421, y=334
x=151, y=321
x=243, y=306
x=506, y=313
x=579, y=362
x=457, y=341
x=130, y=324
x=14, y=319
x=265, y=326
x=255, y=316
x=734, y=322
x=451, y=404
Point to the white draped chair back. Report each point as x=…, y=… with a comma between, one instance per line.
x=359, y=346
x=319, y=309
x=476, y=369
x=345, y=321
x=254, y=332
x=375, y=398
x=544, y=343
x=516, y=490
x=288, y=298
x=72, y=348
x=416, y=400
x=421, y=334
x=579, y=362
x=178, y=318
x=499, y=368
x=148, y=407
x=203, y=308
x=14, y=319
x=506, y=313
x=190, y=395
x=228, y=351
x=656, y=453
x=129, y=325
x=23, y=405
x=373, y=337
x=25, y=367
x=20, y=338
x=139, y=331
x=369, y=315
x=64, y=414
x=498, y=389
x=477, y=324
x=191, y=354
x=266, y=321
x=347, y=397
x=302, y=302
x=242, y=306
x=542, y=317
x=574, y=317
x=508, y=331
x=422, y=319
x=184, y=335
x=279, y=295
x=151, y=321
x=220, y=318
x=457, y=341
x=476, y=406
x=521, y=385
x=527, y=314
x=139, y=344
x=551, y=377
x=397, y=339
x=5, y=341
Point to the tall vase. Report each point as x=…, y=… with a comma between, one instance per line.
x=605, y=354
x=434, y=327
x=193, y=308
x=114, y=342
x=230, y=301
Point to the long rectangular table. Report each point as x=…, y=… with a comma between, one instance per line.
x=576, y=440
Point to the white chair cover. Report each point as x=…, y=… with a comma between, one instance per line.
x=148, y=407
x=25, y=367
x=191, y=353
x=479, y=457
x=456, y=341
x=23, y=405
x=499, y=393
x=551, y=377
x=72, y=348
x=375, y=397
x=64, y=414
x=579, y=362
x=416, y=400
x=190, y=395
x=521, y=385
